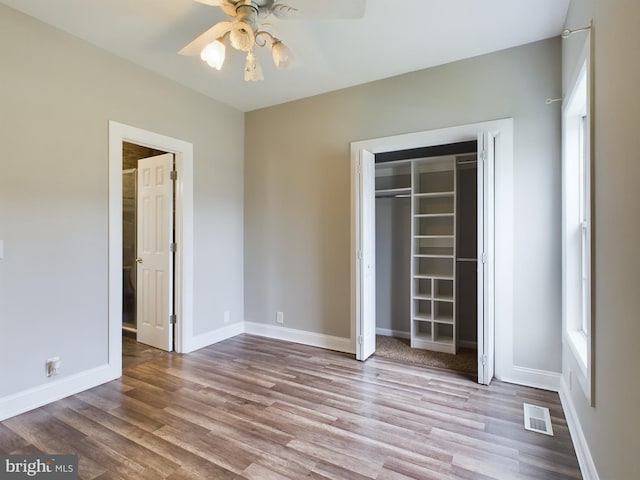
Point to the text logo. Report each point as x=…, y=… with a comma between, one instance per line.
x=50, y=467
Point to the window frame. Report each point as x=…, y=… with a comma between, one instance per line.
x=577, y=222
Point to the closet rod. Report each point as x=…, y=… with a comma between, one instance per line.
x=466, y=161
x=466, y=259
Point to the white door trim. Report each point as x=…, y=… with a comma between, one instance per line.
x=504, y=222
x=183, y=151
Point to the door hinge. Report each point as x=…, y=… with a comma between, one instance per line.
x=484, y=257
x=173, y=175
x=483, y=155
x=173, y=247
x=172, y=319
x=484, y=359
x=360, y=341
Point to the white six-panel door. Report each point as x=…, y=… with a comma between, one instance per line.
x=154, y=256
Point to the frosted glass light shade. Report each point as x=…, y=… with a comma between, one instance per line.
x=252, y=69
x=241, y=39
x=214, y=54
x=281, y=54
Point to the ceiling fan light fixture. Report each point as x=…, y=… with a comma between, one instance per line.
x=244, y=30
x=214, y=54
x=281, y=54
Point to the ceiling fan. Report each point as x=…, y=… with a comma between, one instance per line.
x=245, y=30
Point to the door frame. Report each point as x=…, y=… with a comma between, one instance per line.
x=501, y=190
x=183, y=283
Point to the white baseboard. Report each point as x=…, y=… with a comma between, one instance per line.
x=585, y=460
x=204, y=340
x=392, y=333
x=50, y=392
x=329, y=342
x=530, y=377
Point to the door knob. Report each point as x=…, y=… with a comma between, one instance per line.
x=138, y=260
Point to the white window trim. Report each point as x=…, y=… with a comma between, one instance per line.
x=579, y=343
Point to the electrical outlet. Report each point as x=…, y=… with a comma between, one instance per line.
x=280, y=318
x=227, y=316
x=52, y=366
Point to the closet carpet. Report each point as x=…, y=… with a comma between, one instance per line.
x=399, y=349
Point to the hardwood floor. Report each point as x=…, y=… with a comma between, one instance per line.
x=256, y=408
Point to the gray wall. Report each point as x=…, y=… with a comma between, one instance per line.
x=57, y=94
x=297, y=188
x=611, y=428
x=393, y=263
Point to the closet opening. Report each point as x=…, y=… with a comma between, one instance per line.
x=495, y=239
x=426, y=237
x=131, y=154
x=148, y=250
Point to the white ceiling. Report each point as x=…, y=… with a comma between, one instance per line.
x=392, y=38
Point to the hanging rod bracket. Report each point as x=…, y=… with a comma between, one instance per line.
x=567, y=32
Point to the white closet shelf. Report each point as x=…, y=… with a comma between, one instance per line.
x=422, y=297
x=432, y=255
x=445, y=319
x=443, y=298
x=422, y=318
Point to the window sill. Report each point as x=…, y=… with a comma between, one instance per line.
x=578, y=343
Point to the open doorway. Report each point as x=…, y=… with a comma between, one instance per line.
x=131, y=154
x=494, y=141
x=426, y=211
x=181, y=154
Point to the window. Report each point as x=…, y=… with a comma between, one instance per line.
x=576, y=247
x=585, y=233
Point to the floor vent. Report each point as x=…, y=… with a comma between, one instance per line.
x=537, y=419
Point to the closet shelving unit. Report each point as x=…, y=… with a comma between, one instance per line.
x=433, y=254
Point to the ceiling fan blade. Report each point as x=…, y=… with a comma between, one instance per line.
x=319, y=10
x=196, y=45
x=213, y=3
x=227, y=6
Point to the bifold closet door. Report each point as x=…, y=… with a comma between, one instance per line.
x=366, y=301
x=486, y=328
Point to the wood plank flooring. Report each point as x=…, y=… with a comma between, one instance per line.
x=256, y=408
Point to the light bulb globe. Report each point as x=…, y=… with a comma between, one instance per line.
x=214, y=54
x=282, y=56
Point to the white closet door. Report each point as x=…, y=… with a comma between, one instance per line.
x=366, y=323
x=486, y=317
x=155, y=259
